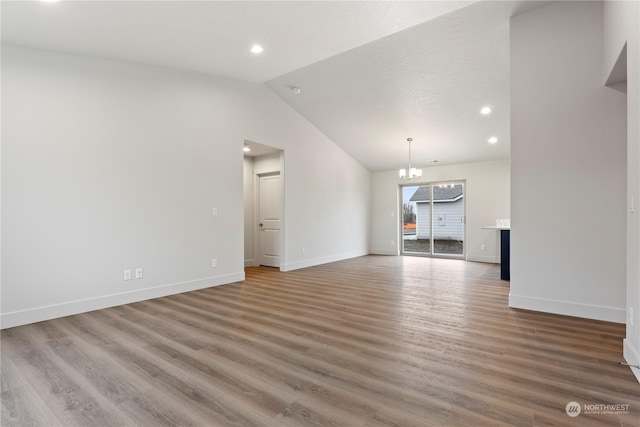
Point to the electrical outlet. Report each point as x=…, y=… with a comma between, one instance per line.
x=214, y=263
x=303, y=251
x=139, y=273
x=483, y=247
x=214, y=211
x=127, y=274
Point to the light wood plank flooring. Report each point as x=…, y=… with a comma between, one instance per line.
x=372, y=341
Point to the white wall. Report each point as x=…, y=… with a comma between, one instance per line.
x=622, y=25
x=109, y=165
x=249, y=221
x=331, y=200
x=568, y=164
x=486, y=196
x=268, y=163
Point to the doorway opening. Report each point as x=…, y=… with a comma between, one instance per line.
x=263, y=205
x=432, y=220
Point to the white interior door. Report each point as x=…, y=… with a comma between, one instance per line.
x=269, y=220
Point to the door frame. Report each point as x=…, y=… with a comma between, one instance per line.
x=256, y=213
x=400, y=217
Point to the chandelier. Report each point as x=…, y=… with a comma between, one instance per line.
x=413, y=172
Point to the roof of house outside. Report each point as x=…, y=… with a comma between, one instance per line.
x=440, y=194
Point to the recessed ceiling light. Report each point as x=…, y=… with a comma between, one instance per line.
x=485, y=110
x=246, y=149
x=256, y=48
x=296, y=90
x=493, y=140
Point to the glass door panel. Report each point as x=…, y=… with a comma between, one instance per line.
x=448, y=219
x=416, y=220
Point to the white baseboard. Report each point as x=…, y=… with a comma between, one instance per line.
x=632, y=356
x=323, y=260
x=250, y=263
x=483, y=258
x=39, y=314
x=392, y=252
x=568, y=308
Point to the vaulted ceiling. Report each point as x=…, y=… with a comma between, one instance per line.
x=370, y=73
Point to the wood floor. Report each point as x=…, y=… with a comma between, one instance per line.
x=372, y=341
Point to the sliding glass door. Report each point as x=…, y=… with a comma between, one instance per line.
x=433, y=219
